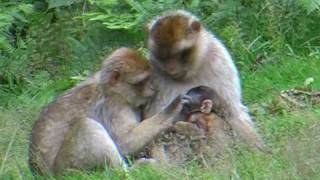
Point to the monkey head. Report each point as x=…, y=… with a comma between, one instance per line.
x=200, y=99
x=172, y=40
x=125, y=74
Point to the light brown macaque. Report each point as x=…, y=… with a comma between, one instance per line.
x=185, y=55
x=98, y=122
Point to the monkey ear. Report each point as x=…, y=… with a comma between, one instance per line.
x=195, y=26
x=114, y=77
x=206, y=106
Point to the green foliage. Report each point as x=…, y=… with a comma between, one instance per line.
x=261, y=30
x=112, y=16
x=128, y=14
x=311, y=5
x=12, y=14
x=60, y=3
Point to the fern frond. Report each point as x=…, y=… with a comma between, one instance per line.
x=311, y=5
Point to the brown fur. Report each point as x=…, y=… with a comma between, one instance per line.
x=97, y=122
x=167, y=31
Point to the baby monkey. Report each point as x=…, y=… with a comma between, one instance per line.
x=202, y=101
x=203, y=133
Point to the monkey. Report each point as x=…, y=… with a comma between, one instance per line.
x=98, y=122
x=204, y=109
x=202, y=100
x=184, y=54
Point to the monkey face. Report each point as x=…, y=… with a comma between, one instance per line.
x=176, y=64
x=199, y=99
x=142, y=88
x=171, y=41
x=126, y=75
x=135, y=88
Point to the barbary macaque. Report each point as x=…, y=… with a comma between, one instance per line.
x=184, y=55
x=202, y=100
x=98, y=122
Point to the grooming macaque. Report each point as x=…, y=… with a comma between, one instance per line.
x=98, y=122
x=185, y=55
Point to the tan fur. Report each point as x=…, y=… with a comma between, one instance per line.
x=205, y=61
x=55, y=120
x=98, y=122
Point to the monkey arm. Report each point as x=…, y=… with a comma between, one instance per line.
x=137, y=135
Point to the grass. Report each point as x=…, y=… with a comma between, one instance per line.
x=292, y=133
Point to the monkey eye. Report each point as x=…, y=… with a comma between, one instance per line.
x=140, y=84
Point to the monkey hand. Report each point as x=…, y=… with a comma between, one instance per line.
x=187, y=104
x=173, y=110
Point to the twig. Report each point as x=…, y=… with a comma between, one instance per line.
x=291, y=100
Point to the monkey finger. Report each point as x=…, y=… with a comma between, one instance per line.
x=186, y=99
x=175, y=106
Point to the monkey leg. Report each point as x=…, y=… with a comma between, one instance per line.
x=243, y=126
x=87, y=145
x=158, y=152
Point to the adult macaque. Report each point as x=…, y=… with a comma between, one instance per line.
x=185, y=55
x=98, y=122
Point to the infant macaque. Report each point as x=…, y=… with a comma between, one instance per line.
x=202, y=135
x=201, y=102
